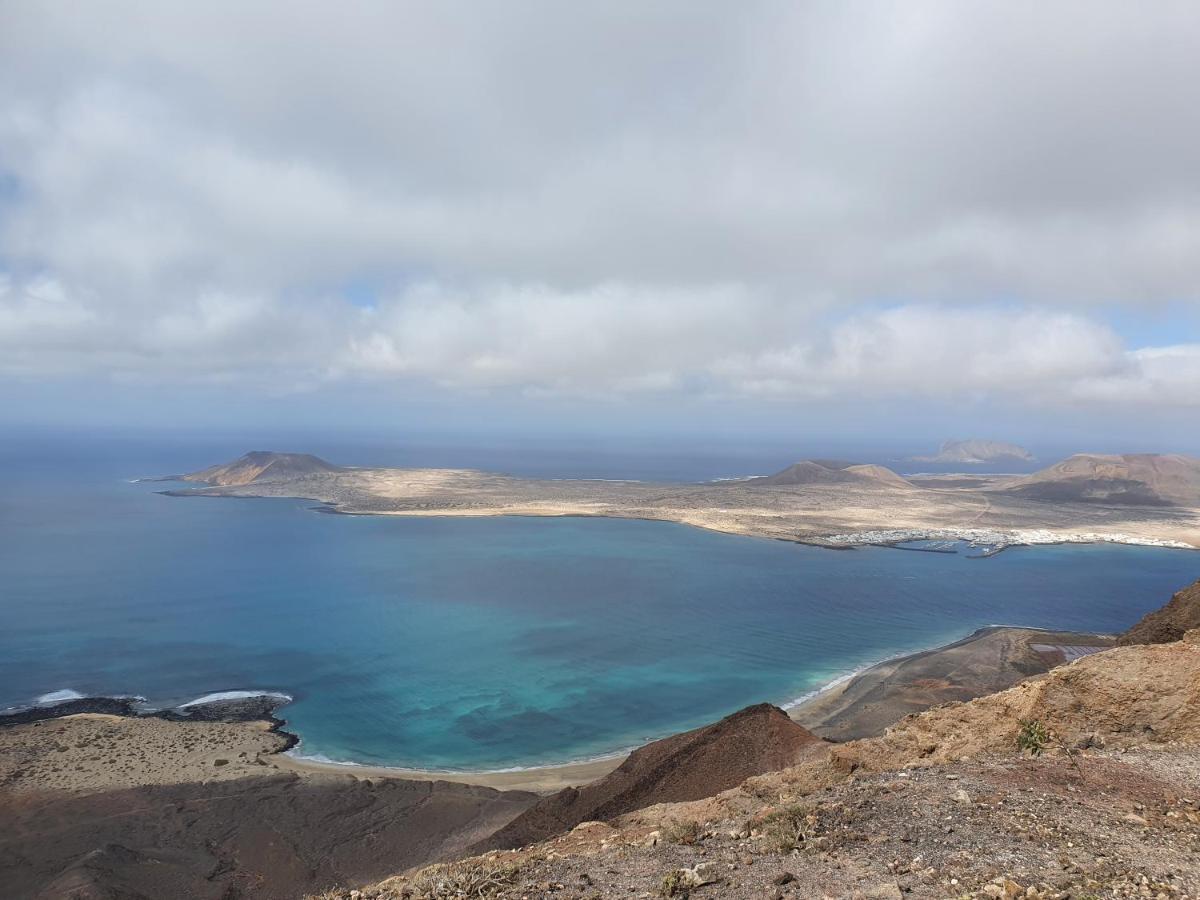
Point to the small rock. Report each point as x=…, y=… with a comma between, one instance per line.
x=889, y=891
x=783, y=878
x=698, y=875
x=1135, y=819
x=962, y=798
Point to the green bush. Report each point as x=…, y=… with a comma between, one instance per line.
x=1034, y=737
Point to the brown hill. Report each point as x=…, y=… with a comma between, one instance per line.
x=1135, y=479
x=686, y=766
x=263, y=465
x=1168, y=624
x=812, y=471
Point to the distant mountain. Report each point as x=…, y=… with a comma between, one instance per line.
x=688, y=766
x=977, y=452
x=1132, y=479
x=263, y=465
x=827, y=471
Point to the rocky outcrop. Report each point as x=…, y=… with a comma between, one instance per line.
x=686, y=766
x=1168, y=624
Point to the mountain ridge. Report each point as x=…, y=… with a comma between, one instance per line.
x=263, y=465
x=1128, y=479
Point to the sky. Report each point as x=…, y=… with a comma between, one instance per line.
x=764, y=219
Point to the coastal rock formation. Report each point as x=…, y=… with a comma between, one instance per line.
x=977, y=452
x=1168, y=624
x=1132, y=479
x=686, y=766
x=824, y=471
x=263, y=465
x=989, y=660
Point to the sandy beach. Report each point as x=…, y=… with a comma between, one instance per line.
x=541, y=780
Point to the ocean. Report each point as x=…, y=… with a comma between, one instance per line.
x=477, y=643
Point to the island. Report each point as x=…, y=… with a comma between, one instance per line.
x=1149, y=499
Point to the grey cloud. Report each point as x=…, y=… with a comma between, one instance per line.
x=603, y=197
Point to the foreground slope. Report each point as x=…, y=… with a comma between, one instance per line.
x=104, y=806
x=942, y=805
x=1170, y=623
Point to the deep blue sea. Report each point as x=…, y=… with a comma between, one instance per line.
x=477, y=643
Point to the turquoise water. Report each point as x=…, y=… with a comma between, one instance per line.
x=482, y=643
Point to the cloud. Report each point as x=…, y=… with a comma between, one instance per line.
x=799, y=200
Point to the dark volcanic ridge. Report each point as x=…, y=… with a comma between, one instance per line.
x=688, y=766
x=1171, y=623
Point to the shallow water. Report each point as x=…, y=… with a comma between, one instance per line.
x=482, y=643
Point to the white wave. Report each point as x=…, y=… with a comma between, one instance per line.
x=60, y=696
x=235, y=695
x=829, y=686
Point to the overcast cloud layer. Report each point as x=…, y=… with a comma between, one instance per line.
x=783, y=202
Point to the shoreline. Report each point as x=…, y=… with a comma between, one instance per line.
x=989, y=659
x=537, y=779
x=541, y=779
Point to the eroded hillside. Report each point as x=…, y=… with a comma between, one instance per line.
x=942, y=805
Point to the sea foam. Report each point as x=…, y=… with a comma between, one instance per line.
x=60, y=696
x=234, y=695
